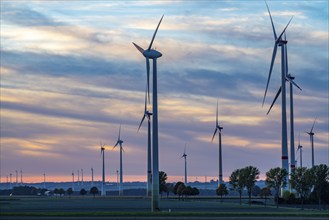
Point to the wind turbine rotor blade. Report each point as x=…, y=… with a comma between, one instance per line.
x=270, y=72
x=139, y=48
x=286, y=54
x=115, y=145
x=276, y=96
x=213, y=135
x=140, y=124
x=148, y=77
x=156, y=30
x=145, y=101
x=292, y=82
x=271, y=21
x=312, y=126
x=284, y=29
x=184, y=149
x=217, y=114
x=119, y=131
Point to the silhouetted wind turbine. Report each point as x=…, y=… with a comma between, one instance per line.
x=278, y=41
x=78, y=177
x=220, y=162
x=119, y=142
x=10, y=176
x=153, y=54
x=81, y=176
x=300, y=149
x=147, y=114
x=185, y=155
x=21, y=177
x=103, y=193
x=311, y=133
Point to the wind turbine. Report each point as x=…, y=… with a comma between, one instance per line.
x=78, y=177
x=185, y=155
x=10, y=178
x=278, y=41
x=92, y=177
x=290, y=79
x=300, y=149
x=311, y=133
x=154, y=55
x=119, y=142
x=103, y=193
x=220, y=162
x=81, y=176
x=147, y=114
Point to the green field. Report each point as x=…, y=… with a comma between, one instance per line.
x=40, y=207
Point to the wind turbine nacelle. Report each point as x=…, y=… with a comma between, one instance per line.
x=152, y=54
x=219, y=127
x=282, y=42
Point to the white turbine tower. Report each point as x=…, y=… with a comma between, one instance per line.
x=119, y=142
x=220, y=162
x=278, y=41
x=103, y=193
x=311, y=133
x=154, y=55
x=185, y=155
x=147, y=114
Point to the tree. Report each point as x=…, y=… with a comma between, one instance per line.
x=61, y=192
x=180, y=190
x=195, y=191
x=264, y=193
x=302, y=180
x=320, y=180
x=69, y=191
x=255, y=190
x=222, y=191
x=276, y=178
x=170, y=188
x=162, y=182
x=83, y=192
x=176, y=187
x=250, y=175
x=93, y=190
x=237, y=182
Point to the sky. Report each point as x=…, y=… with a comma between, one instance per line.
x=70, y=75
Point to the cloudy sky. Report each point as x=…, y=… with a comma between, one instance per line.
x=70, y=75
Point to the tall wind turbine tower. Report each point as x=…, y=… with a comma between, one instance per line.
x=311, y=133
x=78, y=177
x=278, y=41
x=103, y=193
x=119, y=142
x=184, y=156
x=10, y=178
x=21, y=177
x=147, y=114
x=220, y=162
x=154, y=55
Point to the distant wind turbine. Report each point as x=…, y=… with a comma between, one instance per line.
x=311, y=133
x=103, y=193
x=220, y=162
x=119, y=142
x=278, y=41
x=185, y=155
x=21, y=177
x=10, y=176
x=300, y=149
x=81, y=176
x=147, y=114
x=78, y=177
x=154, y=55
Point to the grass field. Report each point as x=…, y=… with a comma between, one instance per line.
x=39, y=207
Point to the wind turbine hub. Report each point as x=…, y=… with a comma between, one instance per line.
x=282, y=42
x=152, y=54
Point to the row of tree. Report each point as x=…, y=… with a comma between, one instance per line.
x=302, y=180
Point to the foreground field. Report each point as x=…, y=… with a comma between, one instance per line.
x=139, y=208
